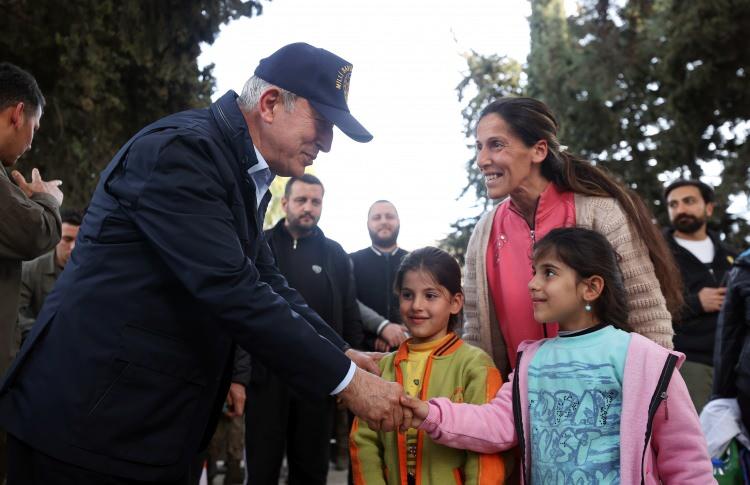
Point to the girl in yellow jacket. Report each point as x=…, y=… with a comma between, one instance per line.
x=434, y=362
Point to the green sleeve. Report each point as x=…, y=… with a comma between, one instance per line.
x=482, y=383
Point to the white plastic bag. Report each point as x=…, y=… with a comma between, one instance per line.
x=721, y=421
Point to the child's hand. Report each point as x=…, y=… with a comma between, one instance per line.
x=419, y=410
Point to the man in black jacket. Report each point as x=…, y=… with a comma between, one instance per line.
x=703, y=261
x=731, y=370
x=374, y=271
x=277, y=418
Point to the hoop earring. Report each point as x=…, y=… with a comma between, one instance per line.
x=587, y=307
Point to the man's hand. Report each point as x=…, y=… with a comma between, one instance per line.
x=376, y=401
x=37, y=185
x=393, y=334
x=381, y=345
x=236, y=400
x=364, y=361
x=711, y=298
x=419, y=411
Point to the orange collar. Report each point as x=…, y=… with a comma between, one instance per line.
x=450, y=345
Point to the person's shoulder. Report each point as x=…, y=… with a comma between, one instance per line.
x=644, y=345
x=39, y=263
x=360, y=254
x=599, y=213
x=730, y=251
x=191, y=126
x=474, y=354
x=743, y=259
x=334, y=246
x=387, y=361
x=488, y=216
x=596, y=203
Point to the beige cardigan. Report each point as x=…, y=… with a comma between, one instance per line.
x=648, y=311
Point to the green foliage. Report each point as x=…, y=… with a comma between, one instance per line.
x=107, y=68
x=650, y=89
x=275, y=212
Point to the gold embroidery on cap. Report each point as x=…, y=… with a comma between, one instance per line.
x=343, y=78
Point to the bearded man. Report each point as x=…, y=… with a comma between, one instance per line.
x=703, y=261
x=374, y=270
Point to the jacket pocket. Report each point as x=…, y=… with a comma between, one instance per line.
x=148, y=406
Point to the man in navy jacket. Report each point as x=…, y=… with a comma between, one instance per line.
x=125, y=372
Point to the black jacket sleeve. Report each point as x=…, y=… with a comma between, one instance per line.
x=270, y=273
x=241, y=368
x=731, y=329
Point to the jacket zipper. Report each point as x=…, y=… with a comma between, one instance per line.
x=660, y=394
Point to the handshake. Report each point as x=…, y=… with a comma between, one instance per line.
x=382, y=404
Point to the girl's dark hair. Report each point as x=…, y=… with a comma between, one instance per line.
x=531, y=121
x=443, y=268
x=574, y=247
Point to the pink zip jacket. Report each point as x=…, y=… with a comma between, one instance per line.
x=669, y=448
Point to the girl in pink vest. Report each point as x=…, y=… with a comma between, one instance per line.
x=595, y=404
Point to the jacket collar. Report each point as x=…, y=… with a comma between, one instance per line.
x=449, y=346
x=720, y=251
x=548, y=200
x=281, y=230
x=233, y=126
x=380, y=253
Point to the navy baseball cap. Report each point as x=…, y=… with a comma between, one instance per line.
x=319, y=76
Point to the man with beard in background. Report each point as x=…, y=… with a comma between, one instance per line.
x=374, y=270
x=703, y=261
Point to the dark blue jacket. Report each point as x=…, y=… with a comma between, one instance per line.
x=129, y=362
x=732, y=357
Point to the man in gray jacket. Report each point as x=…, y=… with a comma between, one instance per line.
x=30, y=222
x=39, y=276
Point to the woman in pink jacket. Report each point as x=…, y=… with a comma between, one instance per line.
x=545, y=187
x=596, y=404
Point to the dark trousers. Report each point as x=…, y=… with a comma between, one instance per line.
x=27, y=466
x=276, y=420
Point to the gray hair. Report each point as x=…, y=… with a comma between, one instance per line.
x=253, y=89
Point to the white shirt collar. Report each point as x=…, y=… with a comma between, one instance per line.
x=262, y=177
x=380, y=253
x=261, y=165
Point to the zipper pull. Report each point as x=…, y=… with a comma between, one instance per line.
x=294, y=245
x=666, y=405
x=532, y=233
